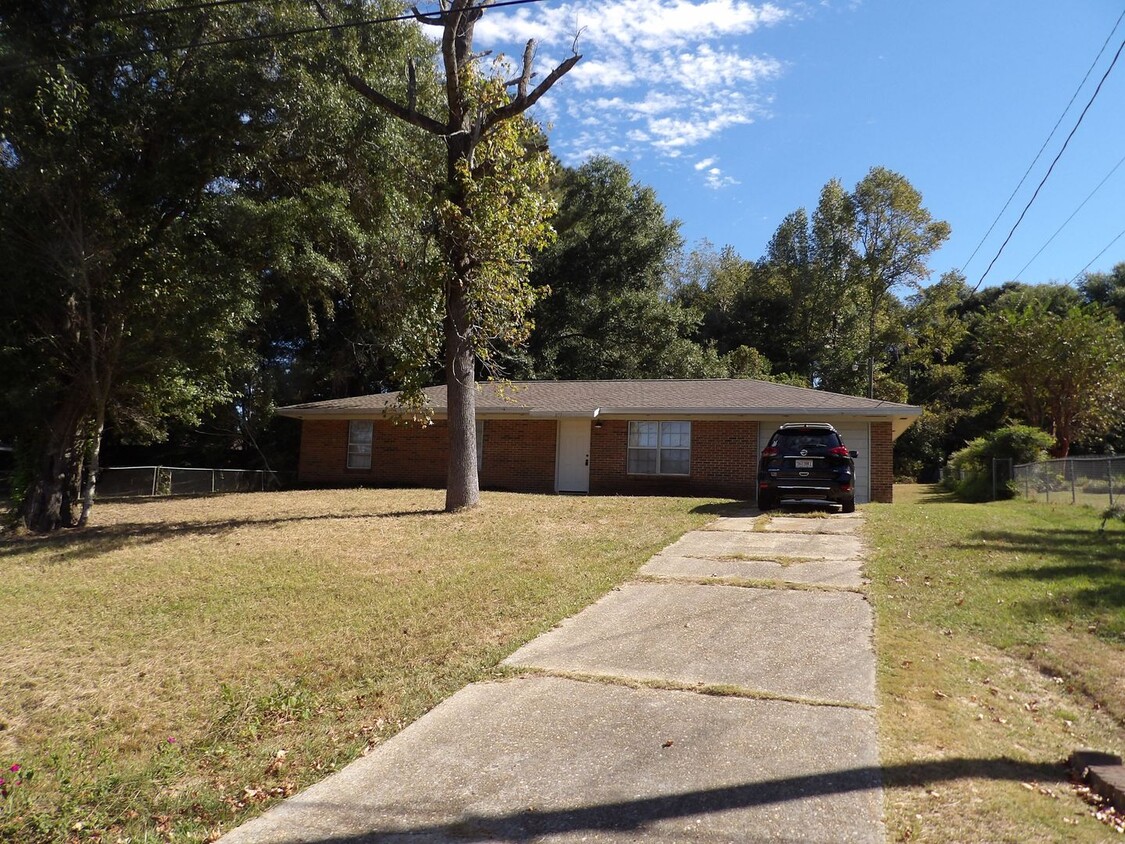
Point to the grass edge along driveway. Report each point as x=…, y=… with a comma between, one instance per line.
x=1000, y=636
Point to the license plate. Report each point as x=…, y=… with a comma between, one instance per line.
x=804, y=464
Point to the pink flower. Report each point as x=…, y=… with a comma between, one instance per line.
x=14, y=769
x=171, y=739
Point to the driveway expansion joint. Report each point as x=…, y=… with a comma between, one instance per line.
x=748, y=583
x=706, y=689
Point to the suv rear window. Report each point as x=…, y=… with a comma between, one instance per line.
x=793, y=440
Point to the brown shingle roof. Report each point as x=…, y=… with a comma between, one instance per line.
x=711, y=397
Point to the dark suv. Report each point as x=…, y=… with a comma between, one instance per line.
x=805, y=461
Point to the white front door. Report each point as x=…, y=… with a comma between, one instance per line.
x=572, y=473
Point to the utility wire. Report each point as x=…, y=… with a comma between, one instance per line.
x=242, y=39
x=1089, y=196
x=1039, y=154
x=1120, y=234
x=1050, y=169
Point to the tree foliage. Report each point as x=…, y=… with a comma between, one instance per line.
x=1065, y=369
x=973, y=477
x=607, y=309
x=819, y=303
x=156, y=202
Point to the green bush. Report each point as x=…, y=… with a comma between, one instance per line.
x=972, y=465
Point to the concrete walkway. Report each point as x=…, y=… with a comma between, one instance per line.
x=724, y=695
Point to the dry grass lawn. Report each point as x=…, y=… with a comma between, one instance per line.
x=183, y=663
x=1000, y=639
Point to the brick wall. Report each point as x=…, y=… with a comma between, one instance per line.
x=402, y=455
x=518, y=455
x=882, y=463
x=724, y=462
x=324, y=451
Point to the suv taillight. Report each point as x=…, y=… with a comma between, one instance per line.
x=839, y=451
x=769, y=452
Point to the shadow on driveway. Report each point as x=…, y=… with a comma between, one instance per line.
x=633, y=815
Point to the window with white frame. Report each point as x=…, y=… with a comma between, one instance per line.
x=359, y=443
x=659, y=448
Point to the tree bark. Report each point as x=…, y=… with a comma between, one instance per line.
x=93, y=466
x=462, y=489
x=46, y=506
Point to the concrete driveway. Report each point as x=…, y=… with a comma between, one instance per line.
x=726, y=694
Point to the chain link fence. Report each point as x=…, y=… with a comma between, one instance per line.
x=148, y=481
x=1096, y=481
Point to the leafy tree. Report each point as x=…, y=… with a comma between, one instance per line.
x=933, y=368
x=609, y=312
x=490, y=213
x=110, y=215
x=1106, y=289
x=895, y=235
x=829, y=282
x=1065, y=370
x=155, y=200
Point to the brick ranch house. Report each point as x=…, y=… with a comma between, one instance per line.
x=678, y=437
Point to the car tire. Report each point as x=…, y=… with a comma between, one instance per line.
x=767, y=501
x=847, y=506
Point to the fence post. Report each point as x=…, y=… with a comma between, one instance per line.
x=1109, y=477
x=1073, y=491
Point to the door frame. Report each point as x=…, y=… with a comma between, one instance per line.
x=579, y=427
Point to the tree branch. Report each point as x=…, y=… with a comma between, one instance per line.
x=359, y=84
x=415, y=118
x=522, y=101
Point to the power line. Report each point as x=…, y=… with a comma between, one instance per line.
x=1089, y=196
x=1035, y=160
x=242, y=39
x=1050, y=169
x=1120, y=234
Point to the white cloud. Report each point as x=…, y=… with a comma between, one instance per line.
x=647, y=24
x=716, y=180
x=704, y=164
x=656, y=75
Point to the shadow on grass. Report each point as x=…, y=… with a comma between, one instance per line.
x=1082, y=573
x=724, y=508
x=74, y=543
x=936, y=495
x=635, y=816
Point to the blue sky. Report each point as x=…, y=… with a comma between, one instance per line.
x=737, y=113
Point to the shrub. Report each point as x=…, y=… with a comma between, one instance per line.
x=973, y=464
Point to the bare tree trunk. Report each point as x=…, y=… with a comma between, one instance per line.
x=462, y=489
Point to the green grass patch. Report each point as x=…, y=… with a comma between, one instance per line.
x=1000, y=636
x=183, y=664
